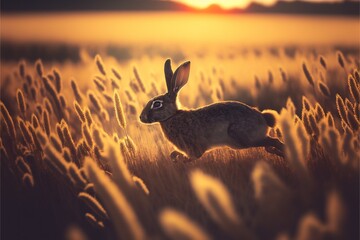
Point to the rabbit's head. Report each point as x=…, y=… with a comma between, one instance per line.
x=164, y=106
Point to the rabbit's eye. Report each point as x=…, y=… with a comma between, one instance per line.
x=156, y=104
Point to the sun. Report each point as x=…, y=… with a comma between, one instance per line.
x=225, y=4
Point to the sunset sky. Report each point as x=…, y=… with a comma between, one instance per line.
x=170, y=5
x=229, y=4
x=143, y=18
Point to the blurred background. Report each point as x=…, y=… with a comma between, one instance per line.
x=63, y=30
x=261, y=52
x=238, y=41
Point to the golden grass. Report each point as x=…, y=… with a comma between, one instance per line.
x=129, y=188
x=179, y=226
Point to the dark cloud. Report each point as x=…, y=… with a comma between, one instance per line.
x=86, y=5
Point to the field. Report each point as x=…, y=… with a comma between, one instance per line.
x=76, y=163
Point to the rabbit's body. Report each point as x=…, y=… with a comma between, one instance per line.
x=231, y=124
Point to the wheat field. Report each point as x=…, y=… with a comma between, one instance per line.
x=76, y=163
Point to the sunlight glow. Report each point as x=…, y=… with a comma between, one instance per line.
x=183, y=29
x=230, y=4
x=225, y=4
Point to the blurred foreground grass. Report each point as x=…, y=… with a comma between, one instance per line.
x=68, y=167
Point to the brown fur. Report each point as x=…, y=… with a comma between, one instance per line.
x=196, y=131
x=232, y=124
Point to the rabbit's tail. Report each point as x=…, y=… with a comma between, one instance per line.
x=269, y=117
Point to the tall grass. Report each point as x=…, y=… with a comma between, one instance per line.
x=119, y=183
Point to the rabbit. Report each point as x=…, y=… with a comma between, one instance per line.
x=193, y=132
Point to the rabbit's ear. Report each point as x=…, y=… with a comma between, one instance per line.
x=181, y=76
x=168, y=75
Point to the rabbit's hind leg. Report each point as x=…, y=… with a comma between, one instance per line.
x=272, y=145
x=246, y=138
x=238, y=137
x=246, y=134
x=274, y=150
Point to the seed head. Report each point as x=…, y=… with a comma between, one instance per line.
x=100, y=65
x=21, y=101
x=119, y=111
x=307, y=74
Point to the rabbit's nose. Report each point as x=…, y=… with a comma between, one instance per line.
x=143, y=118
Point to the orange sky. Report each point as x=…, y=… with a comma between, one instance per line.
x=229, y=4
x=184, y=29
